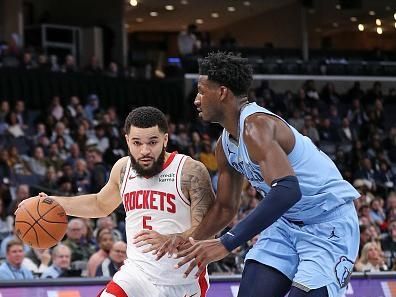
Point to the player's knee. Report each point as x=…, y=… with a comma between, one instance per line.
x=297, y=292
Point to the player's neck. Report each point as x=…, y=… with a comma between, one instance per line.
x=166, y=157
x=231, y=120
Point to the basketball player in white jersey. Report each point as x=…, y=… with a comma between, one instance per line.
x=163, y=193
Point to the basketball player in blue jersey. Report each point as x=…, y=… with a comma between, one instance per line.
x=309, y=232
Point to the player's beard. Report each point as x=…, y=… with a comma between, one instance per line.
x=153, y=169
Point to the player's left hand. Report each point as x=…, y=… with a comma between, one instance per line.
x=201, y=254
x=146, y=237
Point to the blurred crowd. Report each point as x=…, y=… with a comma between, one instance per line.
x=69, y=147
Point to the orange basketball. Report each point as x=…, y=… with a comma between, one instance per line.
x=41, y=222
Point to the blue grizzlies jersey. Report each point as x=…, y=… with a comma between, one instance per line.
x=321, y=184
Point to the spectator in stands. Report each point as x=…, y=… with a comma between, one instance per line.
x=54, y=64
x=80, y=137
x=377, y=214
x=16, y=163
x=371, y=259
x=188, y=42
x=374, y=93
x=329, y=94
x=195, y=147
x=355, y=92
x=70, y=65
x=27, y=62
x=4, y=109
x=347, y=134
x=114, y=152
x=56, y=109
x=114, y=120
x=71, y=108
x=327, y=133
x=384, y=178
x=22, y=192
x=81, y=176
x=104, y=238
x=22, y=114
x=61, y=131
x=53, y=158
x=61, y=257
x=37, y=164
x=366, y=172
x=37, y=260
x=5, y=169
x=207, y=157
x=6, y=221
x=389, y=244
x=42, y=63
x=296, y=120
x=93, y=67
x=100, y=138
x=365, y=236
x=92, y=107
x=41, y=132
x=97, y=168
x=50, y=181
x=109, y=224
x=310, y=129
x=312, y=95
x=114, y=261
x=357, y=117
x=12, y=268
x=63, y=151
x=75, y=241
x=74, y=154
x=14, y=127
x=113, y=70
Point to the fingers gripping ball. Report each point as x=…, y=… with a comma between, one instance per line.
x=41, y=222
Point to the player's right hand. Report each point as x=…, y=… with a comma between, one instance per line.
x=40, y=195
x=172, y=246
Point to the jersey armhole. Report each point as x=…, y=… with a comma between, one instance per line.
x=126, y=176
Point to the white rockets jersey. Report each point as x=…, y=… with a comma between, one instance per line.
x=156, y=203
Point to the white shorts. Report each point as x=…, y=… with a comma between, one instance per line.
x=134, y=283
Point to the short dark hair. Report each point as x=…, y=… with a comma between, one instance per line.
x=229, y=70
x=146, y=117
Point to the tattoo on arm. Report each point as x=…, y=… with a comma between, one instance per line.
x=122, y=174
x=197, y=186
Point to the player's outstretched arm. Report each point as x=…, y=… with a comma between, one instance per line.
x=96, y=205
x=226, y=204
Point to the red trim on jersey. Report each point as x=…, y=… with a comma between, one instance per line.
x=177, y=189
x=114, y=289
x=203, y=283
x=126, y=179
x=170, y=159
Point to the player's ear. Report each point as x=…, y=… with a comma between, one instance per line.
x=223, y=92
x=126, y=138
x=166, y=137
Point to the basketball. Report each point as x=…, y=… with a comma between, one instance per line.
x=41, y=222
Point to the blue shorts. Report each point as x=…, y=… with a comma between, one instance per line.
x=314, y=253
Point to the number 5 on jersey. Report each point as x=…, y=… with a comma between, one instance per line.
x=146, y=225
